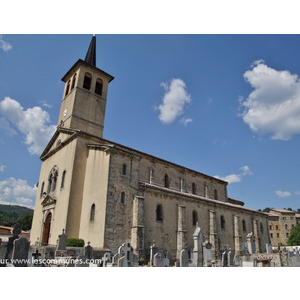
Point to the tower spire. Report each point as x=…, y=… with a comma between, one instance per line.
x=90, y=57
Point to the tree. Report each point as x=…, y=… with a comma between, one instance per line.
x=294, y=239
x=267, y=209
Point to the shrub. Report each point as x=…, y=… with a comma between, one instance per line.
x=74, y=242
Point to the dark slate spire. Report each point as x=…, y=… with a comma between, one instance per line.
x=90, y=57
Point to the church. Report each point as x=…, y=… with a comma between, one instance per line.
x=109, y=194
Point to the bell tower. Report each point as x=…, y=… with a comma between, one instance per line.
x=84, y=98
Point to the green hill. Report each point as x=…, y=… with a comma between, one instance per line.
x=13, y=214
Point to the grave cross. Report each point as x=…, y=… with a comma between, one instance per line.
x=36, y=256
x=126, y=249
x=106, y=259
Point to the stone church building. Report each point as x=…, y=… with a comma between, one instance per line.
x=109, y=194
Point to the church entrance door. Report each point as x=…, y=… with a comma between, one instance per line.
x=46, y=232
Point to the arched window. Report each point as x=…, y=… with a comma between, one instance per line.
x=123, y=197
x=52, y=179
x=244, y=225
x=98, y=87
x=87, y=81
x=167, y=184
x=68, y=88
x=205, y=190
x=159, y=213
x=195, y=217
x=63, y=176
x=42, y=189
x=151, y=175
x=216, y=194
x=73, y=81
x=222, y=222
x=194, y=188
x=124, y=169
x=92, y=215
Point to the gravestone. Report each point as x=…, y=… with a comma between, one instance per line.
x=207, y=254
x=269, y=248
x=3, y=250
x=167, y=262
x=106, y=259
x=153, y=251
x=61, y=249
x=297, y=255
x=20, y=252
x=225, y=258
x=115, y=259
x=36, y=256
x=158, y=260
x=248, y=264
x=81, y=262
x=237, y=261
x=88, y=251
x=230, y=258
x=251, y=243
x=198, y=250
x=184, y=258
x=177, y=264
x=10, y=245
x=126, y=253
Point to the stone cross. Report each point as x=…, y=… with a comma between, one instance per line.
x=127, y=250
x=153, y=251
x=198, y=250
x=105, y=259
x=115, y=259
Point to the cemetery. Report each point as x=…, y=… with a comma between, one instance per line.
x=17, y=252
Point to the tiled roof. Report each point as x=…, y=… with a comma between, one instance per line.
x=283, y=211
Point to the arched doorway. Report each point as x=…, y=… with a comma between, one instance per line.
x=47, y=226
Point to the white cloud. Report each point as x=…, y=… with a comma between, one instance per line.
x=32, y=122
x=273, y=107
x=174, y=100
x=186, y=121
x=17, y=192
x=5, y=46
x=45, y=104
x=233, y=178
x=4, y=124
x=297, y=193
x=282, y=194
x=2, y=167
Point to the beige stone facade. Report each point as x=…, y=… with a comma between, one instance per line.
x=281, y=222
x=109, y=194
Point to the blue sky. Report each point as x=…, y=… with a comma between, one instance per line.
x=224, y=105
